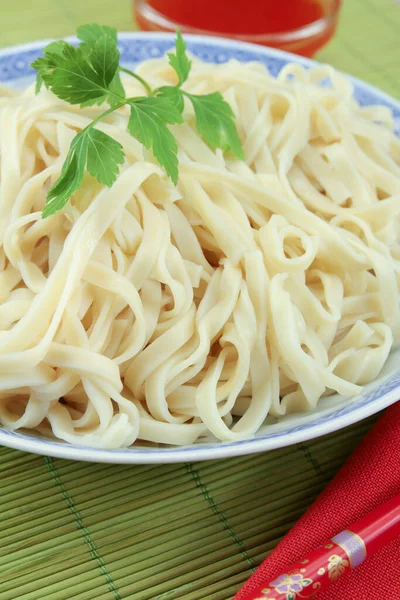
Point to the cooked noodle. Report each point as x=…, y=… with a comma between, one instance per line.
x=253, y=288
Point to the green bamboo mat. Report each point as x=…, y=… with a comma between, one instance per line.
x=78, y=531
x=195, y=532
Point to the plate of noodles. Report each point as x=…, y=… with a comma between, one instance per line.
x=251, y=306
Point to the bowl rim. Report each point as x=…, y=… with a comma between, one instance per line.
x=228, y=43
x=196, y=452
x=213, y=450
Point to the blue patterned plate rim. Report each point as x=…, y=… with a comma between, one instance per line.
x=136, y=47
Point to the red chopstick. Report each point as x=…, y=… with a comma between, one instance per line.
x=345, y=551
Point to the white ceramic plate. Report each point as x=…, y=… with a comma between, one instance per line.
x=332, y=413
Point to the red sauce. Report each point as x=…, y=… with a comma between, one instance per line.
x=247, y=17
x=242, y=18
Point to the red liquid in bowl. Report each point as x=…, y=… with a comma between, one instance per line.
x=300, y=26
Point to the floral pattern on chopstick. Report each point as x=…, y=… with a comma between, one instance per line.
x=290, y=586
x=295, y=586
x=337, y=566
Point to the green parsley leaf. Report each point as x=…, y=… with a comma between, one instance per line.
x=45, y=64
x=174, y=95
x=78, y=76
x=56, y=48
x=103, y=55
x=91, y=32
x=104, y=155
x=51, y=54
x=159, y=106
x=214, y=121
x=150, y=129
x=104, y=59
x=116, y=88
x=71, y=176
x=114, y=98
x=92, y=149
x=38, y=84
x=179, y=61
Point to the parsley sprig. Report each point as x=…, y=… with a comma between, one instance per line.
x=89, y=74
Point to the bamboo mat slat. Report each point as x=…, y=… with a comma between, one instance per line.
x=81, y=531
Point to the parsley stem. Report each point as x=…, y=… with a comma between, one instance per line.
x=106, y=113
x=136, y=76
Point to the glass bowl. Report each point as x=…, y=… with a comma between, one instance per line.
x=304, y=40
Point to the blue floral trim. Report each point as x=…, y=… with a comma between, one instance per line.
x=15, y=65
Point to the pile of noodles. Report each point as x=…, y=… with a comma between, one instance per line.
x=252, y=288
